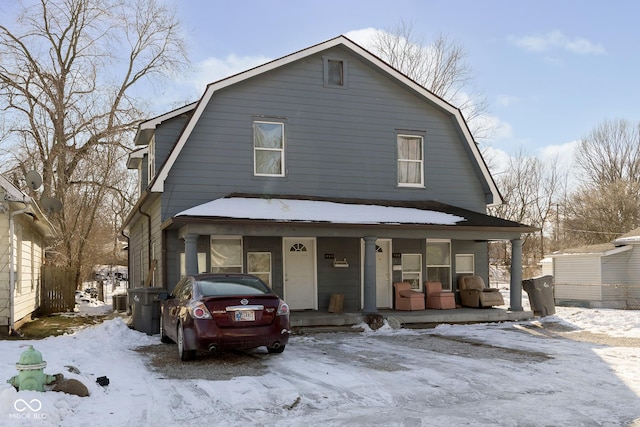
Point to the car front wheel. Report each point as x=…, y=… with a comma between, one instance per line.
x=184, y=354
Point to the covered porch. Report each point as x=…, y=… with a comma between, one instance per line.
x=309, y=318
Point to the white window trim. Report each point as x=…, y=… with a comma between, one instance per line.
x=256, y=149
x=419, y=271
x=446, y=286
x=421, y=161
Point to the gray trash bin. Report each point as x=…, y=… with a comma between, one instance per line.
x=145, y=309
x=541, y=295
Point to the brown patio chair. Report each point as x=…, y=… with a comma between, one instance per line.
x=437, y=298
x=406, y=298
x=473, y=293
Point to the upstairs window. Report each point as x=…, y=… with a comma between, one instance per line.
x=410, y=161
x=335, y=72
x=268, y=148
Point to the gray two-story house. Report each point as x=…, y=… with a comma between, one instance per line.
x=325, y=171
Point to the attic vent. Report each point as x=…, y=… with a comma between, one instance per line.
x=335, y=72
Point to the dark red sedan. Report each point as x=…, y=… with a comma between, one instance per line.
x=207, y=312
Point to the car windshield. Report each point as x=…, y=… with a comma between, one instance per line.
x=232, y=286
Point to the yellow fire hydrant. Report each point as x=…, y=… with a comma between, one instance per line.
x=31, y=374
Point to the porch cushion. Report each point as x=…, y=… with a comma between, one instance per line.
x=411, y=294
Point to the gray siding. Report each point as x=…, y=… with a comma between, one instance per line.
x=614, y=268
x=333, y=280
x=338, y=142
x=166, y=135
x=577, y=270
x=481, y=259
x=633, y=268
x=267, y=244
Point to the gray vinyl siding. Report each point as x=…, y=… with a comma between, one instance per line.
x=332, y=280
x=166, y=135
x=633, y=268
x=274, y=246
x=338, y=142
x=578, y=269
x=614, y=268
x=481, y=259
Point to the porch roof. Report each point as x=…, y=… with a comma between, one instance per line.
x=301, y=209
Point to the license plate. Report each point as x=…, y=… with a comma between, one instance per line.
x=245, y=316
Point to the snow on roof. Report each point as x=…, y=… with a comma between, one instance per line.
x=317, y=211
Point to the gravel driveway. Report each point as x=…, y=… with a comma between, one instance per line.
x=226, y=365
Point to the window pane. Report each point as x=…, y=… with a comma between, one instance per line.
x=439, y=274
x=226, y=253
x=268, y=135
x=464, y=263
x=410, y=163
x=411, y=262
x=409, y=148
x=409, y=172
x=413, y=278
x=258, y=262
x=336, y=72
x=268, y=162
x=226, y=269
x=438, y=253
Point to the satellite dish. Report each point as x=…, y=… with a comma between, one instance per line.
x=33, y=179
x=51, y=205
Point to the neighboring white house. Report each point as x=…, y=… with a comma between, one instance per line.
x=605, y=275
x=23, y=227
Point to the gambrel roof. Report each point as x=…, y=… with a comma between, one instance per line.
x=146, y=129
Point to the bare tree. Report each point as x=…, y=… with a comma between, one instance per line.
x=606, y=203
x=532, y=190
x=68, y=72
x=439, y=65
x=611, y=152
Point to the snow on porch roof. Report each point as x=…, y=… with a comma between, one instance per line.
x=317, y=211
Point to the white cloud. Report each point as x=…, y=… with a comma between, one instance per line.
x=563, y=152
x=213, y=69
x=506, y=100
x=363, y=37
x=557, y=40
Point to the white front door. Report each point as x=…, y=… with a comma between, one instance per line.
x=383, y=273
x=300, y=273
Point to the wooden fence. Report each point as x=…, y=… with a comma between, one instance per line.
x=58, y=290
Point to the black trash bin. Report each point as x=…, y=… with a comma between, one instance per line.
x=145, y=309
x=541, y=295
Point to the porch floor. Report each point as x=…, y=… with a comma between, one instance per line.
x=311, y=318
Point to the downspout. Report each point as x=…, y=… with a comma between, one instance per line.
x=148, y=237
x=128, y=257
x=12, y=270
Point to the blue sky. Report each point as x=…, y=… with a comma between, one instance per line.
x=550, y=70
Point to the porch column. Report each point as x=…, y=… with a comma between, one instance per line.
x=515, y=292
x=191, y=253
x=370, y=275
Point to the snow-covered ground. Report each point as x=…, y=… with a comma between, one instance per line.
x=387, y=377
